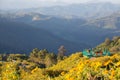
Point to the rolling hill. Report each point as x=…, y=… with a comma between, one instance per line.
x=87, y=31
x=73, y=29
x=109, y=22
x=112, y=45
x=20, y=37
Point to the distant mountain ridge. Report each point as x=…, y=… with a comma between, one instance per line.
x=90, y=32
x=77, y=30
x=108, y=22
x=85, y=10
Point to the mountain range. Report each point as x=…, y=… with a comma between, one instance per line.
x=83, y=10
x=76, y=26
x=19, y=37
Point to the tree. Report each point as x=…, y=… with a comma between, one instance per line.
x=114, y=49
x=1, y=57
x=61, y=52
x=17, y=57
x=38, y=55
x=107, y=41
x=116, y=38
x=119, y=41
x=50, y=59
x=34, y=52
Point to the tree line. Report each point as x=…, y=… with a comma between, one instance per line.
x=40, y=58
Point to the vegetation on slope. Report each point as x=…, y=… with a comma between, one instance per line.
x=112, y=45
x=75, y=67
x=43, y=65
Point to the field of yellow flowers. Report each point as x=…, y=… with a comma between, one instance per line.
x=75, y=67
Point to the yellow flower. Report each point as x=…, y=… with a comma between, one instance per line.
x=34, y=70
x=118, y=63
x=70, y=79
x=87, y=61
x=80, y=67
x=62, y=73
x=106, y=63
x=112, y=72
x=98, y=64
x=111, y=77
x=105, y=72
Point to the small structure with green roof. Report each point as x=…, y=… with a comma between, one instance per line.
x=90, y=53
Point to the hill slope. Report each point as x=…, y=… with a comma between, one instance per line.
x=111, y=22
x=81, y=68
x=113, y=45
x=19, y=37
x=74, y=67
x=90, y=32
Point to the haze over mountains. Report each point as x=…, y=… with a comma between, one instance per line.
x=76, y=26
x=87, y=10
x=20, y=37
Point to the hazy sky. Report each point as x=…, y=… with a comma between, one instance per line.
x=17, y=4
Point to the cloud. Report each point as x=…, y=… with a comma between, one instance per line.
x=35, y=3
x=12, y=4
x=19, y=4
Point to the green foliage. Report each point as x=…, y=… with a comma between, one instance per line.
x=10, y=71
x=50, y=59
x=1, y=57
x=43, y=65
x=4, y=57
x=1, y=69
x=74, y=67
x=27, y=66
x=16, y=57
x=116, y=38
x=43, y=58
x=112, y=45
x=36, y=53
x=38, y=56
x=68, y=62
x=54, y=73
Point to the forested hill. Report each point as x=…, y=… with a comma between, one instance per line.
x=113, y=45
x=19, y=37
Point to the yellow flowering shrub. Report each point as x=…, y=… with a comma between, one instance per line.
x=96, y=68
x=75, y=67
x=0, y=70
x=9, y=71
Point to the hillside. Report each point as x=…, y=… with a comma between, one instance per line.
x=73, y=29
x=77, y=30
x=19, y=38
x=110, y=22
x=59, y=39
x=84, y=33
x=42, y=65
x=74, y=67
x=113, y=45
